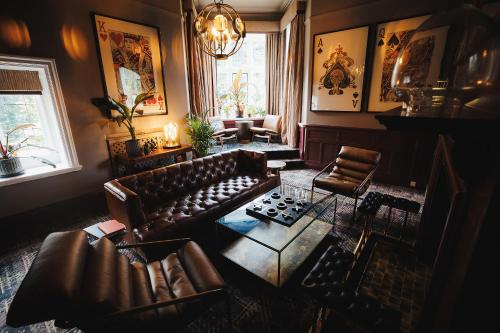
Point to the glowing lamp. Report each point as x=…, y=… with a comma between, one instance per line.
x=171, y=135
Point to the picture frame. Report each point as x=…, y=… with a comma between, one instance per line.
x=131, y=62
x=390, y=37
x=339, y=70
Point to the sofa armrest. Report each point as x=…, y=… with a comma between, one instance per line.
x=124, y=205
x=253, y=161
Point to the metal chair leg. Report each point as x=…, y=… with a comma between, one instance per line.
x=354, y=210
x=229, y=316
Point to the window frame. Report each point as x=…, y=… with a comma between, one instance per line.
x=51, y=91
x=216, y=91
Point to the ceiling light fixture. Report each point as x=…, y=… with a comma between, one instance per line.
x=219, y=29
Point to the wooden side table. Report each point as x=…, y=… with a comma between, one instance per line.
x=151, y=161
x=244, y=129
x=274, y=167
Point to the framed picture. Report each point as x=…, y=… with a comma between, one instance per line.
x=391, y=37
x=339, y=70
x=131, y=62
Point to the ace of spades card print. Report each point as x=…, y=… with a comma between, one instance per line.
x=338, y=70
x=391, y=38
x=131, y=62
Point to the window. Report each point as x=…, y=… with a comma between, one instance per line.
x=248, y=64
x=30, y=94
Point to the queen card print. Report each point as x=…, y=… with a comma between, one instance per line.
x=338, y=70
x=131, y=62
x=391, y=38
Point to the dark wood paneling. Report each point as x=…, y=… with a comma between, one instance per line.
x=406, y=157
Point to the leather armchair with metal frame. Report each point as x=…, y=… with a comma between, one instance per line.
x=351, y=173
x=97, y=289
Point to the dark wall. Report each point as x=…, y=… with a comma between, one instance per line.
x=81, y=80
x=327, y=15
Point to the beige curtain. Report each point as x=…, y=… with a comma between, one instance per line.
x=201, y=73
x=293, y=81
x=274, y=67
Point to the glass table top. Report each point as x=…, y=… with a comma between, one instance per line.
x=272, y=234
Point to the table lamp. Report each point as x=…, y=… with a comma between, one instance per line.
x=171, y=135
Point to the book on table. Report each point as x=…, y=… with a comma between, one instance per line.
x=111, y=227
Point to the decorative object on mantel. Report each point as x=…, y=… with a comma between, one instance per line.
x=126, y=117
x=149, y=146
x=339, y=70
x=219, y=29
x=131, y=62
x=10, y=163
x=434, y=68
x=123, y=165
x=201, y=132
x=391, y=38
x=171, y=135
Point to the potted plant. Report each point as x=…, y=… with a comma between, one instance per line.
x=236, y=95
x=201, y=133
x=10, y=163
x=126, y=118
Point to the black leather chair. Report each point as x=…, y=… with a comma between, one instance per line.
x=351, y=174
x=97, y=289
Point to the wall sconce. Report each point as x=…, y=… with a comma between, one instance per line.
x=171, y=135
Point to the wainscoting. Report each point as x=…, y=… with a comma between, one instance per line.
x=406, y=157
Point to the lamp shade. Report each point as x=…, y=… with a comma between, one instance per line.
x=171, y=131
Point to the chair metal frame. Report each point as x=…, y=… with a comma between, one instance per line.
x=356, y=191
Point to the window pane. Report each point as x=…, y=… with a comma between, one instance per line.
x=18, y=110
x=251, y=63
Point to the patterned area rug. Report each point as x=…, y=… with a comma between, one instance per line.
x=254, y=145
x=256, y=306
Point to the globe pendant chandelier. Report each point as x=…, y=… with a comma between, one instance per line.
x=219, y=30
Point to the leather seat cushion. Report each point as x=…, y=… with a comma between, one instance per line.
x=336, y=185
x=359, y=154
x=258, y=130
x=198, y=267
x=52, y=285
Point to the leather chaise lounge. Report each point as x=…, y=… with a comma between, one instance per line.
x=177, y=200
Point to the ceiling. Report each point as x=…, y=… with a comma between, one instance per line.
x=253, y=6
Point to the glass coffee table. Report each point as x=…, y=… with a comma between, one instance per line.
x=273, y=251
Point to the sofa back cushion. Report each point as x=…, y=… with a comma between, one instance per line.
x=157, y=186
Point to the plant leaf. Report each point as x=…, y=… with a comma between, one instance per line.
x=19, y=127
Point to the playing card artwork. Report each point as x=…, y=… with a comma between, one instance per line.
x=394, y=45
x=339, y=64
x=392, y=37
x=131, y=62
x=339, y=73
x=418, y=61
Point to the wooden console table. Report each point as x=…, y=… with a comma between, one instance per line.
x=153, y=160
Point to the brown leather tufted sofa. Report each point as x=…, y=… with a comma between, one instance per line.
x=173, y=201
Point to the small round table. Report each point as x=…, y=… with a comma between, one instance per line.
x=244, y=129
x=274, y=167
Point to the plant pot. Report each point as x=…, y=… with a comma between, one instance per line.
x=133, y=148
x=10, y=167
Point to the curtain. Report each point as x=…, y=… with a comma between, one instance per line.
x=293, y=81
x=274, y=67
x=201, y=73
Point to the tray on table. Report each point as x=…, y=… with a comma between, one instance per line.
x=279, y=208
